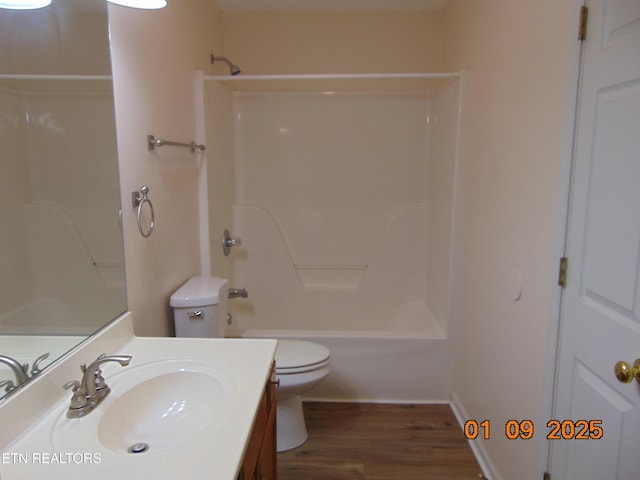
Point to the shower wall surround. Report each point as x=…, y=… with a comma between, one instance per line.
x=70, y=257
x=344, y=202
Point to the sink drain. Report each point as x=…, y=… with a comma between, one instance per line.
x=139, y=447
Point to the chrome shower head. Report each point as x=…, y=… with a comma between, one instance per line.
x=233, y=69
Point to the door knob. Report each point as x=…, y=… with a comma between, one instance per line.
x=626, y=373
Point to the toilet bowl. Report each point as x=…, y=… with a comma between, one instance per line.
x=200, y=309
x=300, y=366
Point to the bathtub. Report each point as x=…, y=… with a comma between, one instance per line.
x=70, y=292
x=51, y=316
x=393, y=366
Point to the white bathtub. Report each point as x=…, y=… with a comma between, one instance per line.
x=378, y=366
x=69, y=291
x=51, y=316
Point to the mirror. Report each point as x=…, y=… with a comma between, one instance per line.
x=61, y=254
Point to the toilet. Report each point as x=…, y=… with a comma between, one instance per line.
x=200, y=310
x=300, y=366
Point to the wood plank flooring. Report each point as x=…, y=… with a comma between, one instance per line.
x=359, y=441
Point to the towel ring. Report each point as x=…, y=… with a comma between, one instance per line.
x=138, y=199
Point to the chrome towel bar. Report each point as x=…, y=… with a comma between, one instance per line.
x=153, y=143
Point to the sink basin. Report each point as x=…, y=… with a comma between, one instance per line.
x=152, y=408
x=162, y=412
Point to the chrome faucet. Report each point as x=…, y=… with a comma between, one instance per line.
x=92, y=389
x=21, y=371
x=238, y=292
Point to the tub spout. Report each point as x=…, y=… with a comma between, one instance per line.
x=238, y=292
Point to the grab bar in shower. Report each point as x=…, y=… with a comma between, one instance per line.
x=153, y=143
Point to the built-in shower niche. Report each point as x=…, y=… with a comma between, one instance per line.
x=344, y=200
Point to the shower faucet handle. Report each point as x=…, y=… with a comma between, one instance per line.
x=228, y=242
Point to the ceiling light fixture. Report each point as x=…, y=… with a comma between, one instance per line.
x=24, y=4
x=146, y=4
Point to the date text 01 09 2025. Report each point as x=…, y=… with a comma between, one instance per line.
x=524, y=429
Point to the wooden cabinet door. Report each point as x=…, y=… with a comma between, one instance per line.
x=267, y=462
x=260, y=457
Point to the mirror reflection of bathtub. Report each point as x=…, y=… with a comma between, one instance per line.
x=61, y=255
x=71, y=292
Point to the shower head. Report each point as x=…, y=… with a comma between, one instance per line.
x=233, y=69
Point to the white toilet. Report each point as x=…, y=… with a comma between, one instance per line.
x=200, y=310
x=300, y=366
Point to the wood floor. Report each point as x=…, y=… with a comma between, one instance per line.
x=356, y=441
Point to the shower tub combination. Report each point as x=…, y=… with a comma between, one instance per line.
x=341, y=188
x=63, y=269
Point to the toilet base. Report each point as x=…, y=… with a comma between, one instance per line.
x=290, y=426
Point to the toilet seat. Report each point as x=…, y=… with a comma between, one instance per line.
x=298, y=356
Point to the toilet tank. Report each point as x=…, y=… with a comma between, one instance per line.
x=200, y=307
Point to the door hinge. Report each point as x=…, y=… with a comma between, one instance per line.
x=562, y=272
x=582, y=27
x=546, y=476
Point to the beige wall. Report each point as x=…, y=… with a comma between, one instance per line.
x=519, y=56
x=154, y=56
x=321, y=42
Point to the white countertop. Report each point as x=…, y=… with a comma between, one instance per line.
x=214, y=453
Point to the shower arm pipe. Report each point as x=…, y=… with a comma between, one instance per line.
x=334, y=76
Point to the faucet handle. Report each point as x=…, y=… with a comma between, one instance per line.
x=79, y=399
x=228, y=242
x=35, y=369
x=74, y=385
x=10, y=386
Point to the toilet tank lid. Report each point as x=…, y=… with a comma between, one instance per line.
x=199, y=292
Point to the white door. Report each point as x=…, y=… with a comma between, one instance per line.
x=600, y=319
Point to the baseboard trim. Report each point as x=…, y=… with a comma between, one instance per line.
x=488, y=470
x=381, y=401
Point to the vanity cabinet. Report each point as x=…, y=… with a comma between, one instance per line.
x=260, y=456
